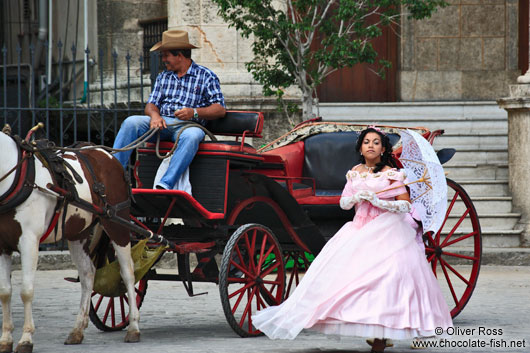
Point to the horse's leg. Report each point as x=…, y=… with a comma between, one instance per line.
x=29, y=249
x=6, y=341
x=87, y=271
x=123, y=253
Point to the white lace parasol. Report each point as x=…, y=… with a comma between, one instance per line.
x=426, y=179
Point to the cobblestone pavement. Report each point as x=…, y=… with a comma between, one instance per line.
x=173, y=322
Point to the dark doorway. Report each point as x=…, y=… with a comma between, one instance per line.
x=360, y=83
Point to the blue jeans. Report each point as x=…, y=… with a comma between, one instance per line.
x=137, y=125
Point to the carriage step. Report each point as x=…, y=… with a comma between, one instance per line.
x=494, y=256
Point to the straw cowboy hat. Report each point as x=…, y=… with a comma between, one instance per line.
x=173, y=39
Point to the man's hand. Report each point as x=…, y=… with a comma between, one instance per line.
x=184, y=114
x=157, y=122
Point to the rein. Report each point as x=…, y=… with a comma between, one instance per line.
x=142, y=139
x=24, y=157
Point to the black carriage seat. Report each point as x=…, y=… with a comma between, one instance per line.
x=329, y=156
x=235, y=123
x=208, y=171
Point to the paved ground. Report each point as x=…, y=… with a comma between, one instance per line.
x=173, y=322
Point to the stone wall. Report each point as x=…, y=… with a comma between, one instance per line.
x=465, y=51
x=117, y=21
x=222, y=49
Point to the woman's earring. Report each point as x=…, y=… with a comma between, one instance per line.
x=361, y=153
x=381, y=154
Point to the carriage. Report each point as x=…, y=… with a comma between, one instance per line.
x=257, y=217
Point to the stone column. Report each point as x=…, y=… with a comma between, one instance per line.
x=518, y=107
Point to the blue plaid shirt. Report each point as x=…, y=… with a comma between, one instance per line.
x=198, y=88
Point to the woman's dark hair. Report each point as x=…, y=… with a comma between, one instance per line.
x=386, y=158
x=185, y=52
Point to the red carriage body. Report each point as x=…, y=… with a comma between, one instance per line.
x=263, y=209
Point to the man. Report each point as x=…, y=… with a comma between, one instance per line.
x=183, y=92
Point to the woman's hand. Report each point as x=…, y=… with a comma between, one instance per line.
x=367, y=195
x=347, y=202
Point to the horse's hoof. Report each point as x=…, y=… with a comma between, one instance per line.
x=74, y=338
x=132, y=337
x=6, y=347
x=24, y=348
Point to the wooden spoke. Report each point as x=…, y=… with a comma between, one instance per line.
x=442, y=261
x=460, y=256
x=455, y=228
x=242, y=289
x=241, y=268
x=449, y=283
x=472, y=234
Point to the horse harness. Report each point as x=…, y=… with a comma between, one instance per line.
x=63, y=175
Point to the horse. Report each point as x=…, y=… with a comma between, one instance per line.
x=22, y=227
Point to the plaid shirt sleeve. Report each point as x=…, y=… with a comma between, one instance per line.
x=156, y=94
x=213, y=92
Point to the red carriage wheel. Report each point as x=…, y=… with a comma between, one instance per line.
x=300, y=263
x=112, y=313
x=252, y=276
x=457, y=242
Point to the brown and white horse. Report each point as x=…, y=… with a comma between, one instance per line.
x=21, y=230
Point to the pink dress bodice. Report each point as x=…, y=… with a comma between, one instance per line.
x=376, y=182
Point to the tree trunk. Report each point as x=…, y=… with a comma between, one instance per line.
x=307, y=106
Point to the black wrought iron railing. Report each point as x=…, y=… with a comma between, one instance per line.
x=69, y=111
x=153, y=29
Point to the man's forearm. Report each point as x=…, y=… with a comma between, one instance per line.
x=152, y=110
x=211, y=112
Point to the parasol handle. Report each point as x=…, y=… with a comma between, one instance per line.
x=420, y=180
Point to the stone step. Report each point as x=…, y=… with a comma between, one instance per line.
x=415, y=110
x=469, y=170
x=448, y=125
x=484, y=140
x=491, y=238
x=486, y=205
x=491, y=155
x=477, y=117
x=514, y=256
x=499, y=221
x=485, y=187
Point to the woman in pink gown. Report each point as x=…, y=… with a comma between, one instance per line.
x=371, y=279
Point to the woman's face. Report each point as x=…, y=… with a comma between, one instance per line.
x=372, y=146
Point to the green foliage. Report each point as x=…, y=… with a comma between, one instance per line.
x=53, y=102
x=300, y=42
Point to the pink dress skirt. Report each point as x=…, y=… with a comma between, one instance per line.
x=371, y=279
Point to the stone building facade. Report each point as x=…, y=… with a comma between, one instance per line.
x=465, y=51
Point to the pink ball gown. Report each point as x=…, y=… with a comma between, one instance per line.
x=371, y=279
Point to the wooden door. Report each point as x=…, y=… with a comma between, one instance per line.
x=360, y=83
